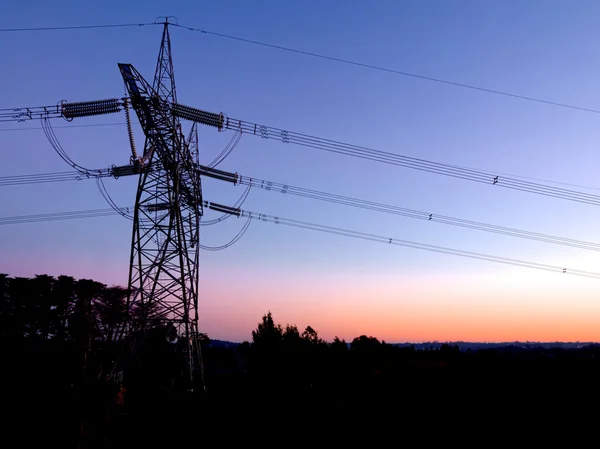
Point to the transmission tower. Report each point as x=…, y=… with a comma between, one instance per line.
x=163, y=273
x=163, y=269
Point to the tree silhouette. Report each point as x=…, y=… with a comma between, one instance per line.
x=291, y=339
x=364, y=344
x=338, y=346
x=5, y=304
x=64, y=298
x=268, y=336
x=17, y=321
x=311, y=336
x=40, y=304
x=63, y=309
x=111, y=312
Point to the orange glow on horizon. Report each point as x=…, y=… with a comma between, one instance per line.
x=513, y=304
x=492, y=308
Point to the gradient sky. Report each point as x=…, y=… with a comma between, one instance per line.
x=338, y=285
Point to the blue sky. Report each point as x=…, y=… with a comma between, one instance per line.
x=545, y=49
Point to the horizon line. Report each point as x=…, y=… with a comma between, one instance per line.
x=452, y=342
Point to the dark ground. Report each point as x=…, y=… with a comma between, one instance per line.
x=413, y=399
x=59, y=340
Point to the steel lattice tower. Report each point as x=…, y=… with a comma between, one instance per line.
x=163, y=274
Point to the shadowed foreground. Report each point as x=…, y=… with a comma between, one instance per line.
x=58, y=342
x=343, y=396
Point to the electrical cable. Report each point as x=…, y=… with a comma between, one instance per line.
x=250, y=182
x=392, y=71
x=46, y=125
x=230, y=243
x=29, y=128
x=39, y=178
x=484, y=177
x=77, y=27
x=412, y=213
x=225, y=216
x=314, y=55
x=109, y=200
x=316, y=227
x=235, y=139
x=92, y=213
x=411, y=244
x=53, y=177
x=47, y=112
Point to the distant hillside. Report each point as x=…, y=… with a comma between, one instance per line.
x=222, y=344
x=463, y=345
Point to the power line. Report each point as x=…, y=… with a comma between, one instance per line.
x=40, y=178
x=235, y=140
x=406, y=243
x=411, y=213
x=91, y=213
x=480, y=176
x=417, y=245
x=332, y=198
x=77, y=27
x=28, y=128
x=94, y=213
x=315, y=55
x=286, y=189
x=531, y=178
x=388, y=70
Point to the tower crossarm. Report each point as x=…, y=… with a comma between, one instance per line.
x=161, y=130
x=66, y=110
x=151, y=112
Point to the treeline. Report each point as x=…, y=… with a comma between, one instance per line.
x=62, y=308
x=301, y=384
x=368, y=373
x=62, y=314
x=58, y=330
x=55, y=332
x=52, y=328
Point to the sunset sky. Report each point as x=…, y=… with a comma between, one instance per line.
x=338, y=285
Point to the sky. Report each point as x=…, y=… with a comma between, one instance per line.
x=340, y=286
